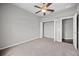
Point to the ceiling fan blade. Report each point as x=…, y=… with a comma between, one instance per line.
x=48, y=4
x=37, y=6
x=37, y=11
x=44, y=13
x=50, y=10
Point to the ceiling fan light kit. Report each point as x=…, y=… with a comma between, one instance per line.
x=44, y=8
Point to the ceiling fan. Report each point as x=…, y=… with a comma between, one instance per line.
x=44, y=8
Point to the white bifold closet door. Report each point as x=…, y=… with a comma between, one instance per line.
x=49, y=29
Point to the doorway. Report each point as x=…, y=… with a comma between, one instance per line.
x=67, y=30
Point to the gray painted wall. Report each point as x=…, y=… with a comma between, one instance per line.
x=67, y=28
x=17, y=25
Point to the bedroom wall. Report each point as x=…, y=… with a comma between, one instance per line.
x=17, y=25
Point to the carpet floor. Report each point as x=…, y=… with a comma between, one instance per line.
x=41, y=47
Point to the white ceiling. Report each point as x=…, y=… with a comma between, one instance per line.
x=56, y=6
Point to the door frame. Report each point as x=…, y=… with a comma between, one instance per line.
x=42, y=28
x=74, y=17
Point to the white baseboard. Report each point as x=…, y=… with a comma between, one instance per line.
x=19, y=43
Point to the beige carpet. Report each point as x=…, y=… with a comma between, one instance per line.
x=41, y=47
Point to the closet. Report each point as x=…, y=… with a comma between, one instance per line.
x=49, y=29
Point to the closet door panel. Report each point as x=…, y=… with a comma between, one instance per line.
x=49, y=29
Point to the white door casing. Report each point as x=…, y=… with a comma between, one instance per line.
x=42, y=28
x=75, y=30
